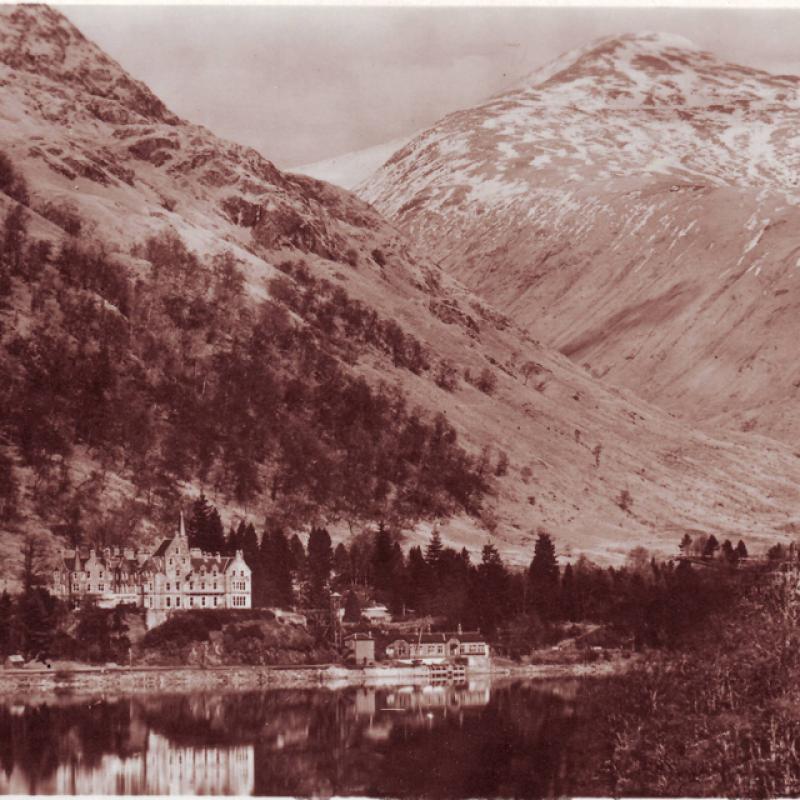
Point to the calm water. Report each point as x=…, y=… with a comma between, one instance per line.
x=513, y=740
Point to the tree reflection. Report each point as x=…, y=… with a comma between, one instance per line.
x=512, y=741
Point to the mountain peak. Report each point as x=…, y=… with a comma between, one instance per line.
x=41, y=41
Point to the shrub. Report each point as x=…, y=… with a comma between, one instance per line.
x=378, y=257
x=63, y=214
x=11, y=182
x=487, y=381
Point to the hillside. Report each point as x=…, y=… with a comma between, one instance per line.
x=197, y=319
x=634, y=205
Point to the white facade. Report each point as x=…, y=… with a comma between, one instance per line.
x=175, y=577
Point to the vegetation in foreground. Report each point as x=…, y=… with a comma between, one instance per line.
x=718, y=715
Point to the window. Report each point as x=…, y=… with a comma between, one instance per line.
x=177, y=601
x=203, y=600
x=101, y=587
x=168, y=602
x=215, y=584
x=191, y=602
x=202, y=584
x=191, y=585
x=178, y=586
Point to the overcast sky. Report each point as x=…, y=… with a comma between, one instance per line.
x=306, y=83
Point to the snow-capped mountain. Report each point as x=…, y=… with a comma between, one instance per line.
x=83, y=132
x=350, y=169
x=633, y=204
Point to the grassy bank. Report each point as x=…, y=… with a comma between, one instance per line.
x=719, y=715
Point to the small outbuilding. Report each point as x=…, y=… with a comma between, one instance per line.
x=14, y=662
x=360, y=648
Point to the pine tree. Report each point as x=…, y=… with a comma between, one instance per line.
x=215, y=532
x=490, y=598
x=569, y=599
x=543, y=576
x=433, y=552
x=341, y=566
x=685, y=545
x=320, y=561
x=281, y=573
x=728, y=552
x=198, y=524
x=711, y=547
x=298, y=552
x=382, y=560
x=419, y=581
x=352, y=608
x=741, y=550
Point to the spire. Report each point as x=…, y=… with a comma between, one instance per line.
x=182, y=531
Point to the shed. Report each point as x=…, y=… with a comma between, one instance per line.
x=360, y=648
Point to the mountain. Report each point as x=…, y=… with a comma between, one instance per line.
x=634, y=205
x=350, y=169
x=177, y=315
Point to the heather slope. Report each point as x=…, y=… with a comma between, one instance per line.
x=598, y=467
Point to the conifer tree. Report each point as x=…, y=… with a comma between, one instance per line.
x=543, y=576
x=711, y=547
x=341, y=566
x=728, y=552
x=419, y=581
x=433, y=552
x=298, y=563
x=280, y=570
x=741, y=550
x=320, y=562
x=490, y=598
x=382, y=560
x=352, y=608
x=569, y=600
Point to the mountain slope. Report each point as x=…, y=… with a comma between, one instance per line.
x=322, y=273
x=350, y=169
x=634, y=205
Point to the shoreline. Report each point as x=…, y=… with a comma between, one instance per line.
x=137, y=680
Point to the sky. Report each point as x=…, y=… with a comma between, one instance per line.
x=305, y=83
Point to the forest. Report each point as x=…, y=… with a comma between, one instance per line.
x=161, y=367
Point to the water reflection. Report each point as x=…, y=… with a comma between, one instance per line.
x=434, y=741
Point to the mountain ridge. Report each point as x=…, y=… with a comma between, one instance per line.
x=625, y=210
x=597, y=466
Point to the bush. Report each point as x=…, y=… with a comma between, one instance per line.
x=11, y=182
x=487, y=381
x=65, y=215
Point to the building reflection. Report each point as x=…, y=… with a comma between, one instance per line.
x=163, y=768
x=376, y=741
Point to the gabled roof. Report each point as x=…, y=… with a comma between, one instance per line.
x=209, y=562
x=162, y=548
x=442, y=637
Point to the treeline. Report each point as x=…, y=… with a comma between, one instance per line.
x=644, y=602
x=178, y=376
